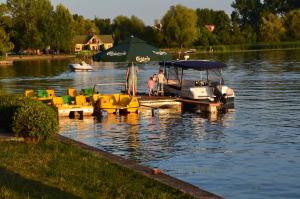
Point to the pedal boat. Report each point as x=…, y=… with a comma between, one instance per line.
x=66, y=108
x=117, y=103
x=41, y=95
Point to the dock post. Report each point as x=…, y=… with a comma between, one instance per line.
x=213, y=107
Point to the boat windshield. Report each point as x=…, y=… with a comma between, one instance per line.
x=176, y=75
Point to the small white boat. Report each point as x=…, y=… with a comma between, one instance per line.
x=82, y=66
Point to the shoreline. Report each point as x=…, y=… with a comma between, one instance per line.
x=37, y=57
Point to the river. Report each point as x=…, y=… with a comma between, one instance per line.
x=251, y=152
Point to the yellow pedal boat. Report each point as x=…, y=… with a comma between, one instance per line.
x=114, y=103
x=66, y=108
x=42, y=95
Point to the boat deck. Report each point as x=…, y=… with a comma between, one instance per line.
x=157, y=102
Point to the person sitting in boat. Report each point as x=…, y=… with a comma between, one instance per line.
x=150, y=85
x=161, y=79
x=131, y=78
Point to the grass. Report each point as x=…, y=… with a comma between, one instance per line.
x=243, y=47
x=52, y=169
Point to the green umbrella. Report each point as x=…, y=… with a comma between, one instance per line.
x=132, y=50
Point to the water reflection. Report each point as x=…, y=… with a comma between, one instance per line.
x=146, y=137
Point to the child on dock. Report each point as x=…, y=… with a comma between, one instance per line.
x=150, y=85
x=161, y=80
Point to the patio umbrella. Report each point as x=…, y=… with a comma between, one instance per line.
x=132, y=50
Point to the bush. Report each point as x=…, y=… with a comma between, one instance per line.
x=8, y=106
x=35, y=120
x=27, y=118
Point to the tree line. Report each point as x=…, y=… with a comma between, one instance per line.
x=36, y=24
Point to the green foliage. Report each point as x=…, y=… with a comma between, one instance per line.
x=272, y=29
x=35, y=120
x=250, y=46
x=26, y=117
x=5, y=44
x=104, y=25
x=281, y=7
x=8, y=106
x=82, y=26
x=124, y=27
x=179, y=26
x=222, y=31
x=31, y=23
x=249, y=12
x=292, y=23
x=63, y=29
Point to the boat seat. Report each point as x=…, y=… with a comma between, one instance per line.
x=42, y=93
x=87, y=92
x=51, y=93
x=29, y=93
x=72, y=92
x=67, y=99
x=57, y=101
x=124, y=100
x=81, y=100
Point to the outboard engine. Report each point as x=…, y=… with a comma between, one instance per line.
x=225, y=95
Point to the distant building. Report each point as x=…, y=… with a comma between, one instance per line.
x=92, y=42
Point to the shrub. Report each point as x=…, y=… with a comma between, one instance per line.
x=26, y=117
x=8, y=106
x=35, y=120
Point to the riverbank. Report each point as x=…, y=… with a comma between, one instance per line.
x=55, y=169
x=37, y=57
x=234, y=48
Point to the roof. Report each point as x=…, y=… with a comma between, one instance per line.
x=83, y=39
x=195, y=64
x=106, y=38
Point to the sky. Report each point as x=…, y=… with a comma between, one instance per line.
x=147, y=10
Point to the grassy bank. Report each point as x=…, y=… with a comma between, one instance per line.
x=242, y=47
x=52, y=169
x=37, y=57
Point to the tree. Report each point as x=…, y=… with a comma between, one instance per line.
x=31, y=20
x=272, y=29
x=5, y=44
x=63, y=30
x=84, y=26
x=249, y=12
x=281, y=7
x=292, y=24
x=179, y=26
x=124, y=27
x=104, y=25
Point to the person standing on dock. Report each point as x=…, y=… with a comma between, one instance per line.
x=150, y=85
x=161, y=80
x=131, y=78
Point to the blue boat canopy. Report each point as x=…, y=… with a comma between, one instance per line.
x=195, y=64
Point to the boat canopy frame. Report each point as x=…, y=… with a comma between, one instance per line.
x=199, y=65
